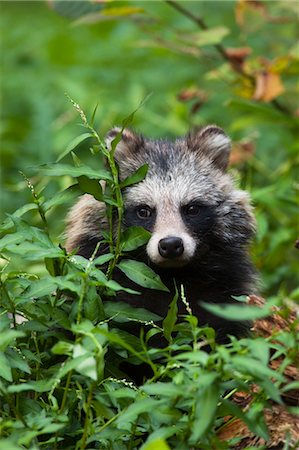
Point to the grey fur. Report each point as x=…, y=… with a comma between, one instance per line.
x=194, y=168
x=214, y=264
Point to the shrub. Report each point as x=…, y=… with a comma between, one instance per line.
x=61, y=383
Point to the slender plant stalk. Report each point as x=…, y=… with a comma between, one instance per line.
x=6, y=293
x=133, y=433
x=201, y=23
x=38, y=203
x=82, y=295
x=67, y=384
x=86, y=422
x=119, y=201
x=115, y=240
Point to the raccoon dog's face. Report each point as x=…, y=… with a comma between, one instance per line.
x=183, y=195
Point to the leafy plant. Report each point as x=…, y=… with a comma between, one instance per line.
x=63, y=384
x=237, y=68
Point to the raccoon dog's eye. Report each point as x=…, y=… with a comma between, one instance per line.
x=143, y=212
x=192, y=210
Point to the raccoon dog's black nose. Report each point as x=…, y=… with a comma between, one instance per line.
x=171, y=247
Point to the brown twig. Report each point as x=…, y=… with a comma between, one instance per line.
x=199, y=21
x=222, y=51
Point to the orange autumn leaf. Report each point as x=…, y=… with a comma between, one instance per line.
x=282, y=426
x=237, y=56
x=268, y=85
x=241, y=152
x=239, y=53
x=190, y=94
x=234, y=428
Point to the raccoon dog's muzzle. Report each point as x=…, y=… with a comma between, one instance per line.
x=171, y=249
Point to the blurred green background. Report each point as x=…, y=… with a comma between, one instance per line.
x=240, y=73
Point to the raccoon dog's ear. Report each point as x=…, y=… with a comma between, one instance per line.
x=212, y=142
x=128, y=145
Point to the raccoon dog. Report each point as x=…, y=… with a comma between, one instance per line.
x=201, y=224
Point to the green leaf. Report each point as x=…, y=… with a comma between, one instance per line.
x=294, y=410
x=156, y=444
x=9, y=240
x=30, y=242
x=36, y=386
x=63, y=348
x=161, y=433
x=72, y=145
x=33, y=251
x=121, y=338
x=211, y=36
x=8, y=336
x=87, y=367
x=37, y=289
x=48, y=286
x=122, y=312
x=141, y=274
x=75, y=10
x=260, y=349
x=240, y=298
x=290, y=386
x=77, y=161
x=171, y=318
x=253, y=367
x=93, y=306
x=236, y=411
x=134, y=237
x=68, y=283
x=94, y=115
x=5, y=369
x=138, y=176
x=144, y=405
x=54, y=265
x=9, y=444
x=195, y=357
x=90, y=186
x=110, y=201
x=17, y=360
x=58, y=170
x=103, y=259
x=83, y=265
x=62, y=197
x=164, y=389
x=8, y=223
x=68, y=366
x=108, y=14
x=205, y=410
x=111, y=284
x=238, y=312
x=271, y=390
x=257, y=112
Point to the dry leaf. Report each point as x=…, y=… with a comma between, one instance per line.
x=241, y=152
x=268, y=86
x=191, y=94
x=282, y=425
x=237, y=56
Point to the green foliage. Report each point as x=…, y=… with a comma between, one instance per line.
x=61, y=347
x=115, y=54
x=61, y=380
